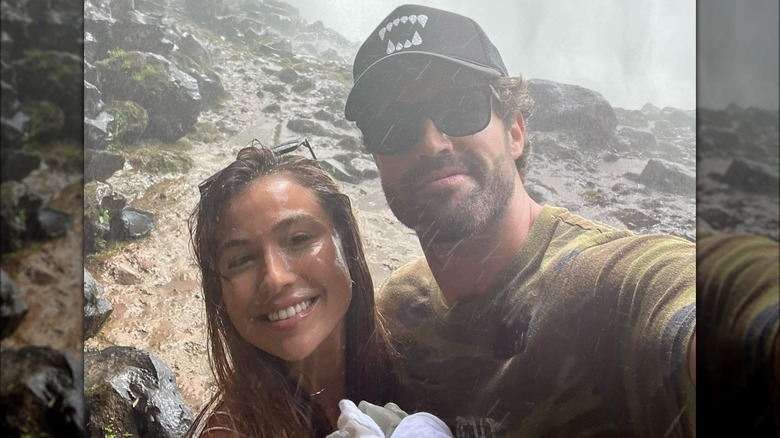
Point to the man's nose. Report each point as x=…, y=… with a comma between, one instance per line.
x=432, y=141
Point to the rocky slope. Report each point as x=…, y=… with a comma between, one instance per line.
x=284, y=78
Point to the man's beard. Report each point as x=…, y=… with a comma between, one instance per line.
x=446, y=220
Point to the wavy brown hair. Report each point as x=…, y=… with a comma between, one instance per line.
x=513, y=98
x=255, y=397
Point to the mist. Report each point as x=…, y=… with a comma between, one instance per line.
x=738, y=54
x=633, y=53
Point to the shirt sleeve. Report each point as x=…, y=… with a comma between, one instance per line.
x=738, y=288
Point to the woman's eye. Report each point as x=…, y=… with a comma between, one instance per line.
x=299, y=239
x=237, y=262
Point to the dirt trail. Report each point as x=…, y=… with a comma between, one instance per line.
x=153, y=282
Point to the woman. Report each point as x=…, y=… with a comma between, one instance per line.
x=289, y=300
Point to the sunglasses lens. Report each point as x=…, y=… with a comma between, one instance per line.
x=456, y=113
x=391, y=131
x=462, y=114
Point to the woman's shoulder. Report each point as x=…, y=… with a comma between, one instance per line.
x=214, y=421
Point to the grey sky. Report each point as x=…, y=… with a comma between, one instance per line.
x=631, y=51
x=738, y=53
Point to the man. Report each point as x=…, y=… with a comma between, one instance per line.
x=533, y=320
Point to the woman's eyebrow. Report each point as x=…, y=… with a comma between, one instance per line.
x=283, y=224
x=293, y=219
x=232, y=243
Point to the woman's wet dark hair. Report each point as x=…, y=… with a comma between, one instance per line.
x=254, y=394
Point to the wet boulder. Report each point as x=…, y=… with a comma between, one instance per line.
x=310, y=127
x=17, y=164
x=339, y=170
x=97, y=308
x=582, y=113
x=96, y=132
x=556, y=146
x=753, y=177
x=130, y=120
x=632, y=118
x=639, y=141
x=667, y=176
x=100, y=165
x=119, y=24
x=93, y=100
x=205, y=11
x=132, y=223
x=18, y=215
x=55, y=77
x=209, y=82
x=288, y=75
x=45, y=121
x=349, y=143
x=51, y=223
x=101, y=203
x=664, y=129
x=679, y=118
x=635, y=219
x=324, y=43
x=41, y=393
x=356, y=166
x=133, y=392
x=195, y=49
x=364, y=167
x=170, y=96
x=11, y=119
x=717, y=141
x=63, y=21
x=13, y=308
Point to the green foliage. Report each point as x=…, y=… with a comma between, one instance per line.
x=156, y=159
x=112, y=431
x=145, y=72
x=104, y=217
x=48, y=69
x=28, y=432
x=20, y=217
x=205, y=133
x=182, y=145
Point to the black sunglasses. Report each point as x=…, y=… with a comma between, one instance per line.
x=455, y=112
x=280, y=149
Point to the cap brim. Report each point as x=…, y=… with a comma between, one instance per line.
x=392, y=70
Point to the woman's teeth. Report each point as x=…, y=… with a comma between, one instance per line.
x=290, y=311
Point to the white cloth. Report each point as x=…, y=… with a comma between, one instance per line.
x=372, y=421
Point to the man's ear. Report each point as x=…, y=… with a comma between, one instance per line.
x=517, y=136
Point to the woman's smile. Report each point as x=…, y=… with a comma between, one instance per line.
x=279, y=284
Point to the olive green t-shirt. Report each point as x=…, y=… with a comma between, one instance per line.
x=586, y=334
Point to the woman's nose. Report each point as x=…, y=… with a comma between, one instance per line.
x=279, y=272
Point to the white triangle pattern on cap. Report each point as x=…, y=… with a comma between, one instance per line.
x=416, y=38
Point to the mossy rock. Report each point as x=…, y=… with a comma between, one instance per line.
x=130, y=120
x=56, y=77
x=63, y=154
x=45, y=123
x=205, y=132
x=158, y=161
x=170, y=96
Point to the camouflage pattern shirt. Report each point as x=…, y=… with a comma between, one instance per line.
x=586, y=334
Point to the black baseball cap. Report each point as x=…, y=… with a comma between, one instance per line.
x=409, y=38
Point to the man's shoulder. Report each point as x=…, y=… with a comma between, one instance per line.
x=575, y=229
x=412, y=277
